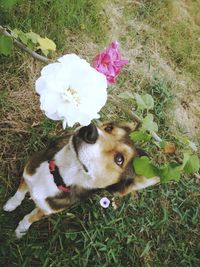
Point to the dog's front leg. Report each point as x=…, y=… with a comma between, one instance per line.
x=16, y=200
x=36, y=215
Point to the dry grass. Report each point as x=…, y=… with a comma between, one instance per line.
x=147, y=28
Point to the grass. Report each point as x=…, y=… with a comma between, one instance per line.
x=158, y=226
x=54, y=18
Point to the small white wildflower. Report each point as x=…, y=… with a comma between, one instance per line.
x=105, y=202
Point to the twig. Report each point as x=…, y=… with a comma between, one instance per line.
x=127, y=111
x=132, y=115
x=156, y=137
x=23, y=47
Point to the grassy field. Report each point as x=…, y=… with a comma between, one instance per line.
x=155, y=227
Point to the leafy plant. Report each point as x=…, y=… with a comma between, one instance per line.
x=30, y=39
x=169, y=171
x=142, y=165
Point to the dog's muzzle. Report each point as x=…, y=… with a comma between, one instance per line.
x=89, y=134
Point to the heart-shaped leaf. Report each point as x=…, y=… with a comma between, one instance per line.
x=191, y=163
x=144, y=167
x=171, y=172
x=148, y=124
x=140, y=136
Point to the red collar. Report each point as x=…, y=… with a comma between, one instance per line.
x=57, y=178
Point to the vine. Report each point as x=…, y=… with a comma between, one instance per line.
x=148, y=127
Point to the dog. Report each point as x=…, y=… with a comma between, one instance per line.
x=91, y=159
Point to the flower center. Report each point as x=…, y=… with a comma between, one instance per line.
x=71, y=95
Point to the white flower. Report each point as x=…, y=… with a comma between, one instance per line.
x=71, y=90
x=105, y=202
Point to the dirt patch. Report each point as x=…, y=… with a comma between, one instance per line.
x=187, y=108
x=186, y=113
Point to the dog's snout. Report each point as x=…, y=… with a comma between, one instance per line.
x=89, y=133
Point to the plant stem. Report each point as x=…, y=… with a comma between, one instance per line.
x=23, y=47
x=132, y=115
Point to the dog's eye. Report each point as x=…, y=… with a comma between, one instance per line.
x=108, y=128
x=119, y=159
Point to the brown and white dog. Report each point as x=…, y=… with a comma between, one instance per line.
x=90, y=160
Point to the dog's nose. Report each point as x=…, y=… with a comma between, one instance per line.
x=89, y=133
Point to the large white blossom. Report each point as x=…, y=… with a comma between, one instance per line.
x=71, y=90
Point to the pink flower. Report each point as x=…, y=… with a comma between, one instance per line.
x=109, y=62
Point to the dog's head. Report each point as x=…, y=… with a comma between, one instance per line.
x=106, y=152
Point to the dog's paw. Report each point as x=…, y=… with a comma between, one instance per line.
x=11, y=204
x=19, y=234
x=22, y=227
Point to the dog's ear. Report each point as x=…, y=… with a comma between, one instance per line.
x=137, y=183
x=129, y=182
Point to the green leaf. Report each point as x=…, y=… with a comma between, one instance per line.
x=144, y=167
x=140, y=102
x=171, y=172
x=187, y=142
x=15, y=33
x=148, y=100
x=5, y=45
x=22, y=36
x=148, y=124
x=46, y=45
x=33, y=37
x=191, y=163
x=25, y=37
x=144, y=101
x=140, y=136
x=7, y=4
x=186, y=157
x=126, y=95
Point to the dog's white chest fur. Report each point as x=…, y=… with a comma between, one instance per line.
x=41, y=185
x=70, y=168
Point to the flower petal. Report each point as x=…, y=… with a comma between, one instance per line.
x=104, y=202
x=71, y=90
x=109, y=62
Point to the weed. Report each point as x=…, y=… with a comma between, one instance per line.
x=162, y=93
